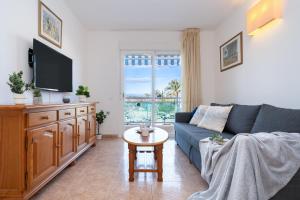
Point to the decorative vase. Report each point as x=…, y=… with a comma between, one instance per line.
x=82, y=98
x=19, y=98
x=145, y=132
x=37, y=100
x=66, y=99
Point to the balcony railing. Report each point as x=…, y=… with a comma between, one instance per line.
x=146, y=109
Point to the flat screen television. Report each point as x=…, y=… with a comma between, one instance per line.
x=51, y=69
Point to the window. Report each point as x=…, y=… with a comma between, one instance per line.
x=152, y=87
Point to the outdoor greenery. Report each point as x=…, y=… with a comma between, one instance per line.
x=167, y=103
x=101, y=116
x=172, y=90
x=83, y=90
x=17, y=84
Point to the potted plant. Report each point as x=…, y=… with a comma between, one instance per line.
x=37, y=96
x=18, y=86
x=100, y=117
x=82, y=92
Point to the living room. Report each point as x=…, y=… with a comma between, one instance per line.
x=142, y=97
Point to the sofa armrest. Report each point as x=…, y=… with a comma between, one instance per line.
x=183, y=117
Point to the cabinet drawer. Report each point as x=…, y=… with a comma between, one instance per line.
x=39, y=118
x=91, y=109
x=67, y=113
x=81, y=111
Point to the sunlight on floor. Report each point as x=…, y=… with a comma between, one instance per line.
x=102, y=174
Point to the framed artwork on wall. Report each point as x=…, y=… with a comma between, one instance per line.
x=50, y=25
x=231, y=53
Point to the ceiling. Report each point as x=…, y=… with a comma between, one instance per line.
x=151, y=14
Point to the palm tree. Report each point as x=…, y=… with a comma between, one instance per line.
x=174, y=89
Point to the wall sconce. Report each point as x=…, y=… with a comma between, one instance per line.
x=263, y=13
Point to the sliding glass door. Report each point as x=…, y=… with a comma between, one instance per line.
x=152, y=87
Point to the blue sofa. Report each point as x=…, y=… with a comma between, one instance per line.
x=242, y=119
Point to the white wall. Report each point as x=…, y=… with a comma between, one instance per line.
x=208, y=63
x=19, y=25
x=271, y=69
x=104, y=67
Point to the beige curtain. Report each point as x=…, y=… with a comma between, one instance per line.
x=190, y=53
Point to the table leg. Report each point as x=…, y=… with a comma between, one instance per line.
x=132, y=155
x=155, y=153
x=159, y=155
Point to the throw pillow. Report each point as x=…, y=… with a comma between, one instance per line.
x=271, y=118
x=199, y=114
x=215, y=118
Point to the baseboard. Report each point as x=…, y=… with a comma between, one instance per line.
x=110, y=136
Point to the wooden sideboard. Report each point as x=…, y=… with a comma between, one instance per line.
x=39, y=141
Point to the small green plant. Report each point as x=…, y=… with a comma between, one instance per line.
x=36, y=92
x=216, y=137
x=100, y=117
x=17, y=84
x=83, y=90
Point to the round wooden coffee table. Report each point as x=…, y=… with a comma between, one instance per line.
x=155, y=139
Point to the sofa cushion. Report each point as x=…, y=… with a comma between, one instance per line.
x=194, y=134
x=272, y=118
x=219, y=104
x=199, y=114
x=194, y=110
x=241, y=117
x=204, y=133
x=215, y=118
x=184, y=130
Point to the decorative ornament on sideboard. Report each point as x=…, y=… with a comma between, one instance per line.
x=18, y=86
x=66, y=99
x=37, y=96
x=83, y=93
x=100, y=117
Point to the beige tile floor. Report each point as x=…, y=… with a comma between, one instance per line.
x=102, y=174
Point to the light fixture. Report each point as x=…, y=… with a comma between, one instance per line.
x=263, y=13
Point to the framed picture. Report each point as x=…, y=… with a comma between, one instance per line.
x=231, y=52
x=50, y=25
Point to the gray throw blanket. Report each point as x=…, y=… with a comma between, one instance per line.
x=249, y=166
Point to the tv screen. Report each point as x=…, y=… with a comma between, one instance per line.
x=52, y=70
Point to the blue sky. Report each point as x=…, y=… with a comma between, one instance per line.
x=138, y=78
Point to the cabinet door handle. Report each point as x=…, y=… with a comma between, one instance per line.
x=67, y=113
x=44, y=117
x=48, y=134
x=82, y=111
